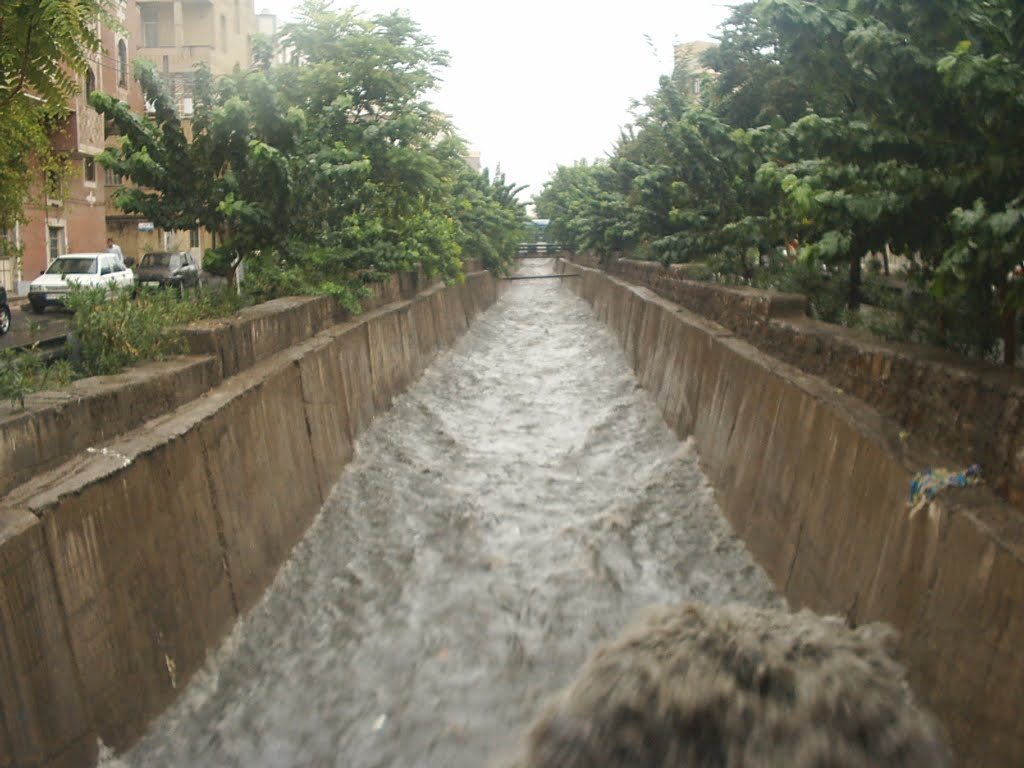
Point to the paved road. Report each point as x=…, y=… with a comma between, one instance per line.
x=27, y=327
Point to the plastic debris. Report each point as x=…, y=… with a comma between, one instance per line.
x=172, y=670
x=928, y=484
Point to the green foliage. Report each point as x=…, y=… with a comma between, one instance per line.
x=854, y=127
x=588, y=209
x=372, y=178
x=491, y=221
x=825, y=288
x=307, y=270
x=108, y=333
x=44, y=46
x=25, y=371
x=232, y=177
x=323, y=173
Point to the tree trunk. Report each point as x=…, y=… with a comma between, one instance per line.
x=1010, y=337
x=1008, y=317
x=853, y=300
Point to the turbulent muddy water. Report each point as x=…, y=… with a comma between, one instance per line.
x=520, y=502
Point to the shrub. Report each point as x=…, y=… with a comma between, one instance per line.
x=25, y=371
x=111, y=332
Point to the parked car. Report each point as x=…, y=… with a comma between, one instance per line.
x=5, y=312
x=85, y=269
x=168, y=269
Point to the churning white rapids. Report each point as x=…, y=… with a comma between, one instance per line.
x=522, y=501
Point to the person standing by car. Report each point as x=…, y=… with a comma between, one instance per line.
x=113, y=247
x=5, y=312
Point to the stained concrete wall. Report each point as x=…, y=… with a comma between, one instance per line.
x=973, y=409
x=54, y=426
x=121, y=567
x=816, y=483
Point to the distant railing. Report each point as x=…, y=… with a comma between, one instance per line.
x=538, y=249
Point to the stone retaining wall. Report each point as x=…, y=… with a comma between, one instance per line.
x=121, y=567
x=816, y=482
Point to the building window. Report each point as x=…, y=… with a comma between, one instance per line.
x=150, y=27
x=90, y=83
x=122, y=64
x=89, y=165
x=55, y=245
x=112, y=179
x=223, y=33
x=193, y=238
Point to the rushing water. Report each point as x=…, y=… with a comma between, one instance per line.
x=519, y=503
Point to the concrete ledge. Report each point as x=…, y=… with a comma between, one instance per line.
x=816, y=483
x=124, y=565
x=43, y=719
x=253, y=334
x=56, y=425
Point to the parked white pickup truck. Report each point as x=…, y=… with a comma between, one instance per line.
x=85, y=269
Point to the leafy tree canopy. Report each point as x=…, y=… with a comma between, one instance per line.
x=44, y=46
x=851, y=127
x=322, y=173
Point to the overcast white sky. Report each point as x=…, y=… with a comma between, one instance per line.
x=535, y=84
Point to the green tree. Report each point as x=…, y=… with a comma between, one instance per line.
x=371, y=178
x=323, y=173
x=984, y=75
x=588, y=208
x=693, y=184
x=914, y=145
x=854, y=125
x=228, y=172
x=44, y=46
x=492, y=221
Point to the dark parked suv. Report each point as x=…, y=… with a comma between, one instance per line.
x=167, y=269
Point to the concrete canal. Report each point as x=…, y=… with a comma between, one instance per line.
x=521, y=501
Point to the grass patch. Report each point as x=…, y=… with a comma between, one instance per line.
x=108, y=333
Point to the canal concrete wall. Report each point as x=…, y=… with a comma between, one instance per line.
x=973, y=409
x=124, y=559
x=816, y=482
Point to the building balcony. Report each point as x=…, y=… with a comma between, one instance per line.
x=82, y=131
x=168, y=59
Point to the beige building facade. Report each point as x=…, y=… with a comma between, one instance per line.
x=76, y=212
x=176, y=36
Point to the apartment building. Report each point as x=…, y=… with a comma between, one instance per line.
x=76, y=212
x=175, y=36
x=688, y=70
x=66, y=211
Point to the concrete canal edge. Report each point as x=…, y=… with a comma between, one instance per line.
x=124, y=559
x=816, y=483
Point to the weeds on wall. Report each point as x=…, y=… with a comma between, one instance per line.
x=108, y=333
x=825, y=288
x=25, y=371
